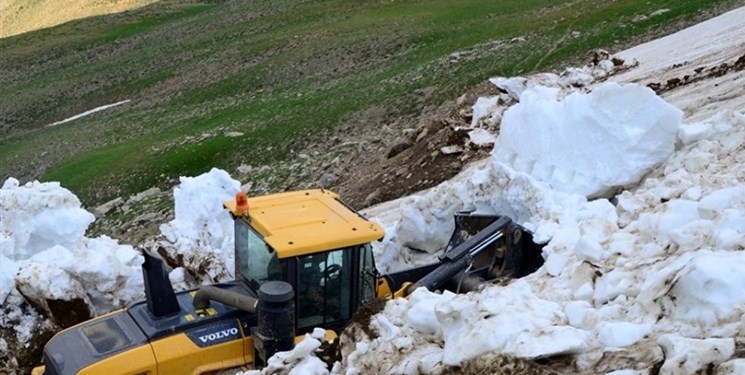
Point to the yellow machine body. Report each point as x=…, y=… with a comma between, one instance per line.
x=283, y=239
x=306, y=222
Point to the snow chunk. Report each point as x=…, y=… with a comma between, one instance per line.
x=301, y=360
x=421, y=315
x=484, y=110
x=588, y=144
x=720, y=275
x=720, y=123
x=37, y=216
x=481, y=137
x=689, y=356
x=427, y=230
x=732, y=367
x=622, y=334
x=476, y=324
x=513, y=86
x=202, y=231
x=551, y=341
x=8, y=270
x=45, y=281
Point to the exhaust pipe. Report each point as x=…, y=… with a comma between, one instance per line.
x=161, y=300
x=240, y=301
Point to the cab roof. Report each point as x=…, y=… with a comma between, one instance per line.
x=306, y=222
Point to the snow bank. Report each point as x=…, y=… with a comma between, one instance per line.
x=45, y=256
x=618, y=277
x=202, y=232
x=545, y=143
x=46, y=260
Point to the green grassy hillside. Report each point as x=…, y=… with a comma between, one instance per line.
x=224, y=83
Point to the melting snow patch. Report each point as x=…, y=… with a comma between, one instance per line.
x=90, y=112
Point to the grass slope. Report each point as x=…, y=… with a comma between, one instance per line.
x=281, y=73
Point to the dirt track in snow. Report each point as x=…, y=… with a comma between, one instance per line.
x=698, y=51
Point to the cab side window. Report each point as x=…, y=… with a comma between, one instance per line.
x=255, y=262
x=323, y=293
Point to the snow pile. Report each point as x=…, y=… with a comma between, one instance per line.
x=201, y=235
x=444, y=330
x=618, y=279
x=51, y=275
x=301, y=360
x=45, y=257
x=566, y=158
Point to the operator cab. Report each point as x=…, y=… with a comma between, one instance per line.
x=312, y=241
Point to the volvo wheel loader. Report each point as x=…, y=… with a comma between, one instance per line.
x=302, y=260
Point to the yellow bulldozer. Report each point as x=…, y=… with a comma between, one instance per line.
x=302, y=260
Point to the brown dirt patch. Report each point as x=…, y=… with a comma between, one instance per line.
x=698, y=74
x=409, y=157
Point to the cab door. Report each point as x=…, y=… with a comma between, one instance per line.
x=324, y=290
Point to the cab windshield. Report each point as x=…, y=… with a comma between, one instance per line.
x=255, y=261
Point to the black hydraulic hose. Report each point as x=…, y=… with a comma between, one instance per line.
x=240, y=301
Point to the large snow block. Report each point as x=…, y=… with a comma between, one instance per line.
x=588, y=144
x=37, y=216
x=201, y=235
